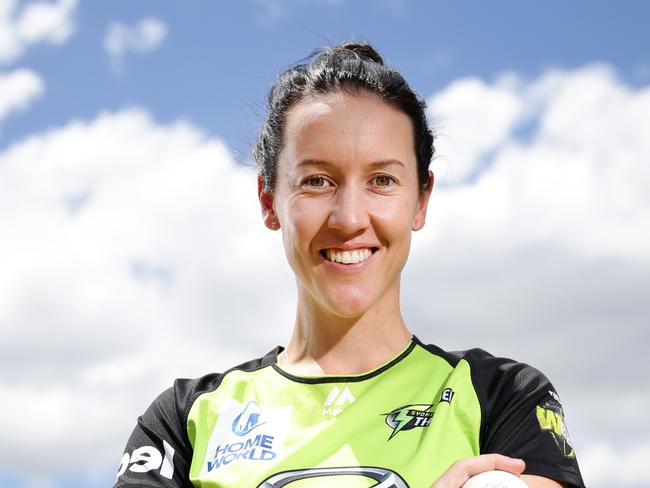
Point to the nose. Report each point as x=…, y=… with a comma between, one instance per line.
x=349, y=213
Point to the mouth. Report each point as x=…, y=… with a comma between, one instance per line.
x=354, y=256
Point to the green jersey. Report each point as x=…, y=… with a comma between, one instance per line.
x=400, y=425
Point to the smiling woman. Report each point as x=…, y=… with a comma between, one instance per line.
x=356, y=201
x=354, y=398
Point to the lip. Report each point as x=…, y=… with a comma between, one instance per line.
x=351, y=267
x=352, y=247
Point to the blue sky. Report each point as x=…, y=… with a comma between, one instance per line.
x=131, y=246
x=219, y=57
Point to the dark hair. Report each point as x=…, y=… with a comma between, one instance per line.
x=351, y=66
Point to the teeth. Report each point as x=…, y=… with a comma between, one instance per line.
x=349, y=257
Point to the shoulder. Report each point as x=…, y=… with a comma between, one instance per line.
x=490, y=371
x=521, y=413
x=159, y=451
x=505, y=387
x=185, y=391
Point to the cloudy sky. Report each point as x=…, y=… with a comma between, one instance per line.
x=132, y=250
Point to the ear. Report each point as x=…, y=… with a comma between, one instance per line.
x=266, y=203
x=423, y=202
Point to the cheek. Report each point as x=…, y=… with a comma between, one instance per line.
x=302, y=222
x=396, y=218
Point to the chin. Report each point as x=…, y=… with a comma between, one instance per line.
x=349, y=304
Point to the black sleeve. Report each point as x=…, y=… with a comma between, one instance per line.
x=523, y=418
x=158, y=453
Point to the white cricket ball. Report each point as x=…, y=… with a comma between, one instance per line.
x=495, y=479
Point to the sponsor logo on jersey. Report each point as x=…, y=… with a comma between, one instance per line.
x=551, y=419
x=248, y=419
x=446, y=395
x=246, y=433
x=148, y=458
x=409, y=417
x=337, y=400
x=384, y=478
x=555, y=396
x=259, y=448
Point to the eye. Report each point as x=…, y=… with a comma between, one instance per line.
x=315, y=182
x=384, y=180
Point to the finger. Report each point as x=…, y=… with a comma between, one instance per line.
x=490, y=462
x=462, y=470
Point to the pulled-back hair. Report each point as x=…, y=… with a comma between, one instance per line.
x=350, y=66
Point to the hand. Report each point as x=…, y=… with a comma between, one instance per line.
x=459, y=472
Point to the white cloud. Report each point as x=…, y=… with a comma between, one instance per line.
x=18, y=89
x=472, y=119
x=134, y=252
x=49, y=22
x=616, y=466
x=35, y=22
x=551, y=235
x=121, y=240
x=544, y=254
x=145, y=36
x=579, y=180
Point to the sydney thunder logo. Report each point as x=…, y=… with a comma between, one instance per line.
x=551, y=419
x=409, y=417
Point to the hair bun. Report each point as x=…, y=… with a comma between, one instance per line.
x=363, y=50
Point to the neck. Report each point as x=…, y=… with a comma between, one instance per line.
x=325, y=343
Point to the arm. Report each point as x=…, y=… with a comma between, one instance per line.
x=534, y=481
x=523, y=418
x=158, y=453
x=461, y=471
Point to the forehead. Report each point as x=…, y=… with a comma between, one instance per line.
x=347, y=128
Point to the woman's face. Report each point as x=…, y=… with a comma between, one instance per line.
x=346, y=199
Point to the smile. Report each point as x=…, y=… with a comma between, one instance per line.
x=347, y=257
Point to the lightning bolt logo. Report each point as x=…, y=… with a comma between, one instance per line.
x=401, y=420
x=408, y=417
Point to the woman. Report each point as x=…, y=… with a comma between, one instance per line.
x=354, y=399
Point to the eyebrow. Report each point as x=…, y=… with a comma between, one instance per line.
x=318, y=162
